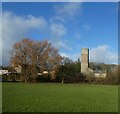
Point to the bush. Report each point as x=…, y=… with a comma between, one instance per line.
x=112, y=77
x=43, y=78
x=70, y=73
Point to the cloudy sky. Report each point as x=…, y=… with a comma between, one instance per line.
x=68, y=26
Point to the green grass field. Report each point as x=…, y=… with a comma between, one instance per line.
x=46, y=97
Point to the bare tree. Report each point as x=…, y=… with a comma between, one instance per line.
x=47, y=57
x=35, y=57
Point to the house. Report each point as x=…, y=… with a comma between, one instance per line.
x=52, y=73
x=98, y=73
x=3, y=72
x=18, y=69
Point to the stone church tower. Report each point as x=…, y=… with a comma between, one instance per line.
x=85, y=65
x=84, y=60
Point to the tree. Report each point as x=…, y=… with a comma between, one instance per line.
x=34, y=57
x=47, y=57
x=112, y=74
x=94, y=66
x=70, y=72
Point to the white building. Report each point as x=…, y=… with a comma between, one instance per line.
x=18, y=69
x=3, y=72
x=100, y=74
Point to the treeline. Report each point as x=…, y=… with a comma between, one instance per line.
x=69, y=72
x=41, y=62
x=112, y=73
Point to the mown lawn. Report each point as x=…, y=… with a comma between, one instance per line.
x=48, y=97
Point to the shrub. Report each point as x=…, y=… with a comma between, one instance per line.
x=70, y=73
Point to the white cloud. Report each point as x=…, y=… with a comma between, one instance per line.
x=14, y=28
x=57, y=30
x=63, y=12
x=61, y=44
x=68, y=10
x=102, y=54
x=56, y=19
x=64, y=55
x=73, y=57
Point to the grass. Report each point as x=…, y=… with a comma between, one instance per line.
x=46, y=97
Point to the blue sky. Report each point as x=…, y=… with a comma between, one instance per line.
x=68, y=26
